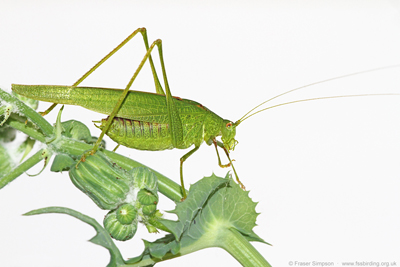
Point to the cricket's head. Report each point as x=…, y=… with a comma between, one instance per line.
x=228, y=132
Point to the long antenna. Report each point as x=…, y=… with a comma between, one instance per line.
x=308, y=99
x=315, y=83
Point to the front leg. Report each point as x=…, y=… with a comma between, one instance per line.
x=219, y=159
x=230, y=161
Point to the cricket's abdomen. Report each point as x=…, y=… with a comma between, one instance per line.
x=139, y=135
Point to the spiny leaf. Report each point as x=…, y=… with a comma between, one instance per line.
x=213, y=208
x=230, y=207
x=188, y=210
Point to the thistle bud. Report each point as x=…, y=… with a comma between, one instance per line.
x=126, y=214
x=123, y=192
x=146, y=197
x=149, y=209
x=102, y=180
x=118, y=230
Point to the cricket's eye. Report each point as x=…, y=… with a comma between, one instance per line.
x=229, y=125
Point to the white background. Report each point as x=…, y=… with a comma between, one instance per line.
x=326, y=173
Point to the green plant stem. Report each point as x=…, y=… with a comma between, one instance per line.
x=241, y=249
x=30, y=114
x=20, y=169
x=26, y=128
x=228, y=239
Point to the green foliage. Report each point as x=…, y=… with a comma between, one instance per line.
x=210, y=220
x=214, y=207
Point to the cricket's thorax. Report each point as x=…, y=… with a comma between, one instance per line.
x=200, y=125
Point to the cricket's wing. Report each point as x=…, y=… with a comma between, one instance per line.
x=141, y=106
